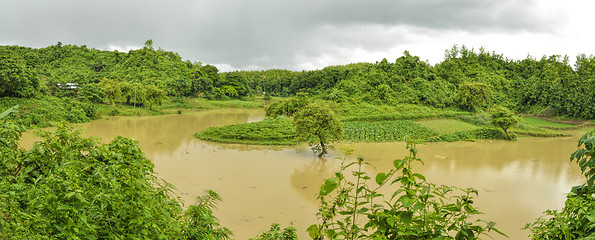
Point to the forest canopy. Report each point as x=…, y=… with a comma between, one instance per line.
x=466, y=79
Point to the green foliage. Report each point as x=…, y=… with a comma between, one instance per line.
x=199, y=222
x=575, y=221
x=46, y=111
x=111, y=89
x=69, y=187
x=352, y=207
x=503, y=118
x=287, y=107
x=17, y=79
x=63, y=188
x=270, y=131
x=276, y=233
x=473, y=95
x=153, y=96
x=92, y=92
x=385, y=131
x=318, y=125
x=577, y=218
x=585, y=157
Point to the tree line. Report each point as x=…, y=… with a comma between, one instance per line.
x=111, y=76
x=466, y=79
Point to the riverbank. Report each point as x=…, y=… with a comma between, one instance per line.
x=363, y=122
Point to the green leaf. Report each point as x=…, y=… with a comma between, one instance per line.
x=406, y=217
x=328, y=186
x=313, y=231
x=381, y=177
x=406, y=201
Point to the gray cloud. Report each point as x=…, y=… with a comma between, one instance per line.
x=265, y=33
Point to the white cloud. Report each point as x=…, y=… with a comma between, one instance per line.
x=309, y=34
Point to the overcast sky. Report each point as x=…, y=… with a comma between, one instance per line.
x=304, y=35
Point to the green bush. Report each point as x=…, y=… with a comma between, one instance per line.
x=276, y=233
x=69, y=187
x=353, y=208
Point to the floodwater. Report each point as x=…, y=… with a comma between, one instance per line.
x=261, y=185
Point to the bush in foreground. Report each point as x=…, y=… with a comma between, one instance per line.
x=69, y=187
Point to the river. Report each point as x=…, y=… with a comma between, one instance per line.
x=261, y=185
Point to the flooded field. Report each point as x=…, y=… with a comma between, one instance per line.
x=517, y=181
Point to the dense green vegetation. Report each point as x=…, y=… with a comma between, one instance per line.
x=69, y=187
x=74, y=83
x=466, y=79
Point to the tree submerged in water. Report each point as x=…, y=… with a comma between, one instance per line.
x=319, y=126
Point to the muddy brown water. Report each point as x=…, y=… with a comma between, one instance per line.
x=261, y=185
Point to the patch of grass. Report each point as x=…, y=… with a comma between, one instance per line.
x=371, y=112
x=203, y=103
x=480, y=119
x=546, y=124
x=472, y=135
x=448, y=126
x=526, y=129
x=385, y=131
x=271, y=131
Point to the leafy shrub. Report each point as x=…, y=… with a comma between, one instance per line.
x=199, y=222
x=417, y=209
x=64, y=188
x=68, y=187
x=276, y=233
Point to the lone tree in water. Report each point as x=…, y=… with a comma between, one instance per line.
x=503, y=118
x=318, y=125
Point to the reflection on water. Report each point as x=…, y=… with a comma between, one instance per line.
x=260, y=185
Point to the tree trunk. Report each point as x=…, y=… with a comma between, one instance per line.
x=322, y=149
